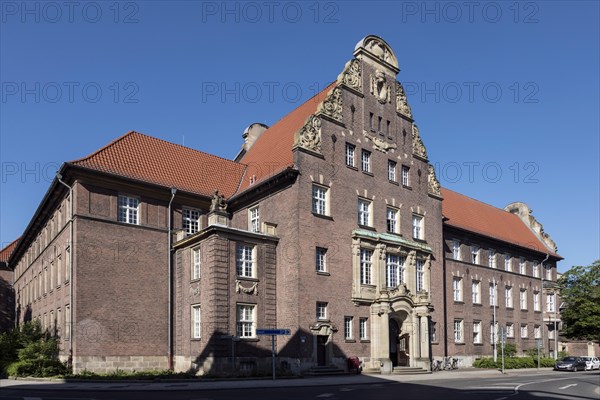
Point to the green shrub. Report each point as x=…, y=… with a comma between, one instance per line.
x=513, y=362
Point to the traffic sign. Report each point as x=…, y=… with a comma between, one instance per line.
x=272, y=331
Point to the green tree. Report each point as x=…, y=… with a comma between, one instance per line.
x=580, y=292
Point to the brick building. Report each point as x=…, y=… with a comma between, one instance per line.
x=331, y=223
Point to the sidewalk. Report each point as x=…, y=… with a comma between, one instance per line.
x=207, y=384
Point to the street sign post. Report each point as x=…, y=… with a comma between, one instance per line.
x=273, y=333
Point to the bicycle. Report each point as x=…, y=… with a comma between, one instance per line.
x=436, y=365
x=450, y=364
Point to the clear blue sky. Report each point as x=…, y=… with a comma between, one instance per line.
x=506, y=95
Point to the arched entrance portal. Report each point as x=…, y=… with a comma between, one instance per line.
x=399, y=341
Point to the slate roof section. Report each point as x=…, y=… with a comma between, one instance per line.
x=473, y=215
x=138, y=156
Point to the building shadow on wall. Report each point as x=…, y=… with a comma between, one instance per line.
x=226, y=355
x=7, y=305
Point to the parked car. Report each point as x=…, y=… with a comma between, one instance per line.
x=570, y=364
x=589, y=364
x=596, y=363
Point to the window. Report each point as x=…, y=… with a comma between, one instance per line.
x=524, y=332
x=191, y=220
x=129, y=209
x=523, y=299
x=254, y=219
x=522, y=266
x=537, y=332
x=458, y=331
x=348, y=328
x=492, y=258
x=59, y=275
x=196, y=257
x=508, y=297
x=405, y=176
x=371, y=120
x=350, y=155
x=548, y=272
x=394, y=266
x=364, y=212
x=493, y=294
x=246, y=315
x=457, y=289
x=365, y=266
x=417, y=221
x=196, y=321
x=550, y=331
x=392, y=171
x=475, y=254
x=392, y=220
x=321, y=259
x=475, y=292
x=420, y=274
x=550, y=302
x=493, y=332
x=536, y=301
x=433, y=331
x=510, y=329
x=477, y=332
x=507, y=266
x=362, y=329
x=67, y=322
x=319, y=200
x=536, y=269
x=245, y=261
x=456, y=249
x=321, y=310
x=365, y=158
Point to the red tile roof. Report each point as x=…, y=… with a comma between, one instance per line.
x=7, y=251
x=272, y=151
x=138, y=156
x=473, y=215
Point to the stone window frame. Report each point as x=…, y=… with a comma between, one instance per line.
x=477, y=333
x=241, y=262
x=126, y=212
x=457, y=289
x=366, y=161
x=459, y=336
x=476, y=294
x=196, y=263
x=361, y=212
x=405, y=175
x=418, y=230
x=392, y=171
x=321, y=312
x=242, y=324
x=456, y=249
x=321, y=259
x=475, y=251
x=350, y=155
x=420, y=274
x=508, y=296
x=510, y=330
x=366, y=272
x=523, y=303
x=196, y=321
x=190, y=220
x=492, y=258
x=363, y=328
x=348, y=327
x=316, y=201
x=400, y=270
x=395, y=220
x=254, y=219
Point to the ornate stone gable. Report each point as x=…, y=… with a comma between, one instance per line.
x=433, y=186
x=351, y=76
x=402, y=102
x=309, y=136
x=417, y=144
x=332, y=105
x=378, y=50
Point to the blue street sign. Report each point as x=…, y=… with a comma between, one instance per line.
x=272, y=331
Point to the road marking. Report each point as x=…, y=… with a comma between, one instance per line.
x=568, y=386
x=326, y=395
x=346, y=390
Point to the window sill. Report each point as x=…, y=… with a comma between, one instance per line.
x=195, y=339
x=368, y=173
x=407, y=187
x=394, y=182
x=349, y=340
x=247, y=278
x=460, y=343
x=477, y=344
x=324, y=273
x=459, y=302
x=250, y=339
x=194, y=280
x=323, y=320
x=510, y=308
x=352, y=167
x=367, y=227
x=323, y=216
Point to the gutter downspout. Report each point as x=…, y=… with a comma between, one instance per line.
x=170, y=278
x=445, y=305
x=72, y=247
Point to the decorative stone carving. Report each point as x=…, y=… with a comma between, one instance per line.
x=356, y=247
x=380, y=144
x=433, y=183
x=194, y=291
x=417, y=143
x=253, y=289
x=523, y=211
x=332, y=105
x=402, y=102
x=218, y=202
x=324, y=328
x=382, y=251
x=352, y=75
x=379, y=49
x=400, y=290
x=309, y=136
x=380, y=89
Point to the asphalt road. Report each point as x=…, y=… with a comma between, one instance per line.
x=527, y=386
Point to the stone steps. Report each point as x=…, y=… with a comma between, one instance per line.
x=409, y=371
x=325, y=371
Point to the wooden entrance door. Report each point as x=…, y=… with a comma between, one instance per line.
x=322, y=350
